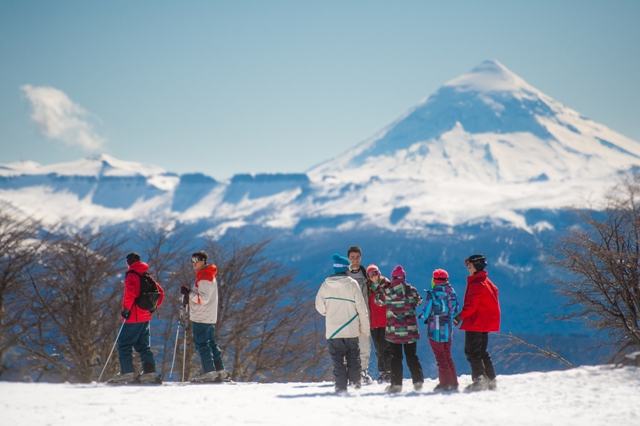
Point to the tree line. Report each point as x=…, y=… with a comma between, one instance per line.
x=61, y=291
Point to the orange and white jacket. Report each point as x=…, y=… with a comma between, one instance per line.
x=203, y=298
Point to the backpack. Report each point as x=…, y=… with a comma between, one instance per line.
x=149, y=294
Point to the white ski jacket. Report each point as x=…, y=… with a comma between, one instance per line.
x=340, y=301
x=203, y=298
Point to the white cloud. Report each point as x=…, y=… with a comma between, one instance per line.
x=58, y=117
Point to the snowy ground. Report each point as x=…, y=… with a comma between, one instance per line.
x=583, y=396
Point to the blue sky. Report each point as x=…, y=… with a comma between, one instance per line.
x=226, y=87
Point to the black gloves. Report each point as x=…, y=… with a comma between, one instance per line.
x=456, y=320
x=126, y=313
x=184, y=290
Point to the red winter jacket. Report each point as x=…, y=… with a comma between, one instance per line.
x=481, y=310
x=377, y=314
x=132, y=291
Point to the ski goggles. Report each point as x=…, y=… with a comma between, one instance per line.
x=195, y=260
x=372, y=274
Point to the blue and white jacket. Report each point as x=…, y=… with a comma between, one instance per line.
x=441, y=306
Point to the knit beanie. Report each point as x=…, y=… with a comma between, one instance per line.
x=340, y=263
x=398, y=275
x=132, y=258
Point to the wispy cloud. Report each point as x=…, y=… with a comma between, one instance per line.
x=58, y=117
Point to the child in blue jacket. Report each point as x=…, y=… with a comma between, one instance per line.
x=441, y=307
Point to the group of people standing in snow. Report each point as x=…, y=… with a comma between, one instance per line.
x=200, y=301
x=362, y=305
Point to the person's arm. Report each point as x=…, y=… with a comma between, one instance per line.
x=363, y=314
x=471, y=301
x=131, y=290
x=320, y=302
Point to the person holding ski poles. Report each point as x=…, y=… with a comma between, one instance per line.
x=203, y=313
x=134, y=333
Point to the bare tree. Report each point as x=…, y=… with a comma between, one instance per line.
x=602, y=258
x=266, y=325
x=20, y=243
x=70, y=305
x=167, y=248
x=511, y=349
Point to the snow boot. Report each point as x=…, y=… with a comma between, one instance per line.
x=479, y=384
x=148, y=378
x=122, y=379
x=417, y=386
x=211, y=376
x=445, y=388
x=366, y=379
x=394, y=389
x=493, y=385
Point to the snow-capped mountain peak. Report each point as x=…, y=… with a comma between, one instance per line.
x=491, y=76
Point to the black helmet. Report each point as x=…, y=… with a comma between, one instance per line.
x=478, y=260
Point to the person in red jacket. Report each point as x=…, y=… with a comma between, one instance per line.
x=135, y=330
x=378, y=318
x=480, y=315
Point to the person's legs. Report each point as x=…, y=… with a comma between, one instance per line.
x=489, y=371
x=215, y=349
x=337, y=352
x=474, y=348
x=453, y=374
x=396, y=363
x=438, y=349
x=377, y=335
x=413, y=362
x=201, y=341
x=143, y=347
x=128, y=337
x=364, y=343
x=352, y=356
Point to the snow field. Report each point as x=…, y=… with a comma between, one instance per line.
x=583, y=396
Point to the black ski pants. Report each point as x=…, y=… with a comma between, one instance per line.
x=345, y=357
x=475, y=349
x=383, y=351
x=412, y=362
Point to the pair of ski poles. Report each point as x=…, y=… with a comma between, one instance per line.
x=184, y=352
x=184, y=348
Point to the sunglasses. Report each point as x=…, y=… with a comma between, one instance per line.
x=195, y=260
x=373, y=274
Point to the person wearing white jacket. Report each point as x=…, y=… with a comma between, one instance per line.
x=203, y=313
x=340, y=301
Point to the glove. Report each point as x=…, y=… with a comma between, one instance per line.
x=185, y=300
x=456, y=320
x=185, y=290
x=126, y=313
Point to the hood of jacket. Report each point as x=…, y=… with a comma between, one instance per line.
x=139, y=267
x=208, y=273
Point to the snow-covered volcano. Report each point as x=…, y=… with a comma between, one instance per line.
x=487, y=146
x=488, y=126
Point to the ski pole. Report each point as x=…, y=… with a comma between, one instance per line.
x=175, y=348
x=184, y=348
x=114, y=346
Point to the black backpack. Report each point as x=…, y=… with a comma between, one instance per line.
x=149, y=294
